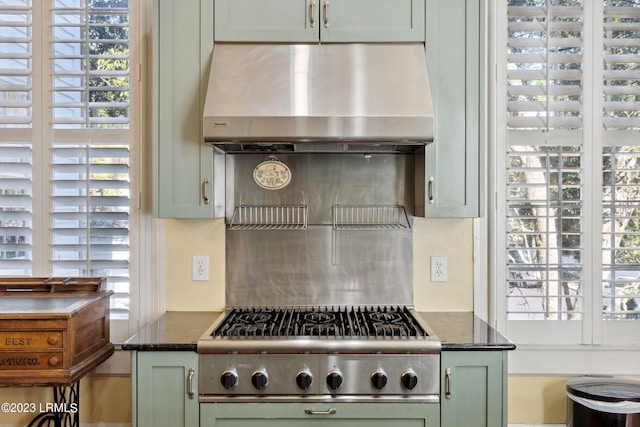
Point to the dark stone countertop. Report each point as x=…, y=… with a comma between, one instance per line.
x=175, y=330
x=180, y=330
x=465, y=331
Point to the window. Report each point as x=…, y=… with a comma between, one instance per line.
x=568, y=171
x=67, y=146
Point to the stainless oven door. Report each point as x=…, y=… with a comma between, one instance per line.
x=377, y=414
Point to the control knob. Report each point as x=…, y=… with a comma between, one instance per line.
x=304, y=379
x=334, y=379
x=229, y=379
x=259, y=379
x=409, y=379
x=379, y=379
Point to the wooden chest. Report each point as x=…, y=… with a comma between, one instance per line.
x=52, y=331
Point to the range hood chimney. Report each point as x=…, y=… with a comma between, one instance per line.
x=318, y=97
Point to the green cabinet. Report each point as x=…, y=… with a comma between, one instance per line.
x=164, y=389
x=473, y=389
x=319, y=414
x=454, y=30
x=182, y=163
x=329, y=21
x=456, y=51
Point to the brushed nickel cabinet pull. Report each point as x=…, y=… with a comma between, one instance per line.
x=447, y=383
x=312, y=12
x=204, y=190
x=430, y=190
x=190, y=383
x=325, y=7
x=329, y=411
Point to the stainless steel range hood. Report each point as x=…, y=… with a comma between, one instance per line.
x=317, y=97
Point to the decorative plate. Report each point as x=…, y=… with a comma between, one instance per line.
x=272, y=174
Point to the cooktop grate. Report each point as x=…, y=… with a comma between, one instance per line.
x=359, y=321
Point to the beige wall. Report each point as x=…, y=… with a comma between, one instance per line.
x=537, y=400
x=452, y=238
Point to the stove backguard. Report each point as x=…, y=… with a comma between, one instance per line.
x=338, y=234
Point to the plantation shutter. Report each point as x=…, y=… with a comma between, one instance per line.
x=16, y=221
x=544, y=62
x=65, y=162
x=621, y=73
x=544, y=203
x=16, y=116
x=15, y=64
x=90, y=216
x=90, y=64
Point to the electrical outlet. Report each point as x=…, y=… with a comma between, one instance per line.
x=200, y=269
x=438, y=268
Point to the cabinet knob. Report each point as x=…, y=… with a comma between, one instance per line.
x=52, y=340
x=53, y=361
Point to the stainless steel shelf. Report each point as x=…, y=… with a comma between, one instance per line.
x=272, y=217
x=370, y=217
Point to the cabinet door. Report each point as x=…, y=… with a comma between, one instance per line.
x=473, y=389
x=333, y=414
x=325, y=20
x=455, y=56
x=162, y=382
x=182, y=163
x=267, y=21
x=372, y=20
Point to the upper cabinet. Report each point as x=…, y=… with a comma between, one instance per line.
x=328, y=21
x=186, y=169
x=455, y=47
x=183, y=164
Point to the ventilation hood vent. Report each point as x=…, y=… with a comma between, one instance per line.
x=318, y=98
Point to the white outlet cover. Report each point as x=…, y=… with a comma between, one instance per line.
x=438, y=268
x=200, y=269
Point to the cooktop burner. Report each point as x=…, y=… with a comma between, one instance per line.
x=370, y=321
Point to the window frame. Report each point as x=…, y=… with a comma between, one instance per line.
x=144, y=304
x=603, y=346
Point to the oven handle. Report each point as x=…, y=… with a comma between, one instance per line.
x=190, y=393
x=447, y=383
x=329, y=411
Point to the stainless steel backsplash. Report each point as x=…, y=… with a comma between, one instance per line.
x=367, y=261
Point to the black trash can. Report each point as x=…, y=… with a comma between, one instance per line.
x=603, y=402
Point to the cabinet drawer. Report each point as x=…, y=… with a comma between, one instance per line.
x=31, y=340
x=21, y=360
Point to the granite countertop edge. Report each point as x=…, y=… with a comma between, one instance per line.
x=180, y=330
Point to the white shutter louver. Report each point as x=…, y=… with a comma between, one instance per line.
x=15, y=63
x=544, y=65
x=15, y=210
x=621, y=72
x=90, y=64
x=620, y=235
x=544, y=238
x=90, y=216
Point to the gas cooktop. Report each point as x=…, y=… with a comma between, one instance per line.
x=295, y=352
x=385, y=322
x=320, y=329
